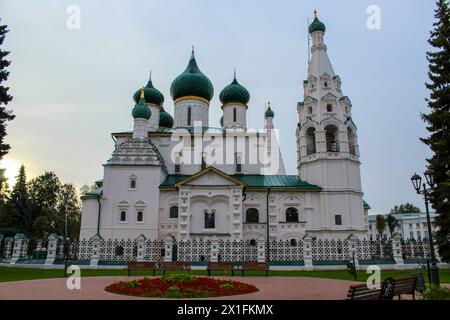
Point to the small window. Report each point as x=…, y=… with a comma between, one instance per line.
x=338, y=220
x=253, y=242
x=411, y=235
x=310, y=110
x=189, y=116
x=133, y=184
x=252, y=215
x=209, y=220
x=123, y=216
x=419, y=235
x=346, y=109
x=177, y=168
x=329, y=107
x=140, y=216
x=325, y=84
x=293, y=242
x=291, y=214
x=173, y=212
x=234, y=115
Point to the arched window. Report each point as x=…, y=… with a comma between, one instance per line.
x=325, y=84
x=123, y=216
x=293, y=242
x=351, y=141
x=133, y=180
x=291, y=214
x=209, y=220
x=189, y=116
x=173, y=212
x=310, y=110
x=234, y=115
x=140, y=216
x=310, y=141
x=331, y=134
x=252, y=215
x=238, y=164
x=329, y=107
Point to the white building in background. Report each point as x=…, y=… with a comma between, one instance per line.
x=182, y=178
x=411, y=226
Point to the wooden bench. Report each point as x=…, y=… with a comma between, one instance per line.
x=255, y=266
x=175, y=265
x=142, y=265
x=362, y=292
x=222, y=265
x=397, y=287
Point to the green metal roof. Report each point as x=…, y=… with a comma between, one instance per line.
x=366, y=205
x=141, y=111
x=253, y=181
x=316, y=25
x=269, y=113
x=165, y=119
x=234, y=92
x=151, y=94
x=192, y=82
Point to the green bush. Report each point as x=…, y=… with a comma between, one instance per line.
x=178, y=277
x=131, y=284
x=227, y=285
x=173, y=292
x=434, y=292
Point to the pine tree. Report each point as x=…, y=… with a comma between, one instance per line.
x=16, y=215
x=5, y=115
x=438, y=121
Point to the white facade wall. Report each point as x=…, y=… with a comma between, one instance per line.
x=199, y=113
x=228, y=115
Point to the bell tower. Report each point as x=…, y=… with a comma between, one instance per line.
x=327, y=145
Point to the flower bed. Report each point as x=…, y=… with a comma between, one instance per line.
x=180, y=286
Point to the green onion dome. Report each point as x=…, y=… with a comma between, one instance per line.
x=192, y=82
x=151, y=94
x=269, y=113
x=316, y=25
x=165, y=119
x=141, y=110
x=234, y=92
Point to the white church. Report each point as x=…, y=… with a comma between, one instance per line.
x=182, y=178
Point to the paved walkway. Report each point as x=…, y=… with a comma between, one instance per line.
x=92, y=288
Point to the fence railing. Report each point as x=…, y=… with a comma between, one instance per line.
x=306, y=251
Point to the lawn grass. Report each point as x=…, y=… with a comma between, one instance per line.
x=17, y=274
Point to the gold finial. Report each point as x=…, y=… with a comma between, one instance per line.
x=142, y=93
x=315, y=13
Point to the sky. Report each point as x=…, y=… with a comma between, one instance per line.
x=73, y=87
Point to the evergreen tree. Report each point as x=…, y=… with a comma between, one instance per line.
x=68, y=203
x=16, y=214
x=5, y=115
x=405, y=208
x=380, y=225
x=438, y=123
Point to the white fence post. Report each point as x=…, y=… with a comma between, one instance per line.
x=397, y=250
x=307, y=252
x=214, y=249
x=261, y=243
x=52, y=246
x=168, y=247
x=352, y=241
x=8, y=246
x=140, y=247
x=19, y=240
x=95, y=249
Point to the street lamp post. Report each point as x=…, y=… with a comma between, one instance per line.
x=417, y=183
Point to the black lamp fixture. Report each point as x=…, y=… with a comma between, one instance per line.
x=429, y=176
x=416, y=181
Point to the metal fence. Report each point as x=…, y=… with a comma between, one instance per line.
x=116, y=251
